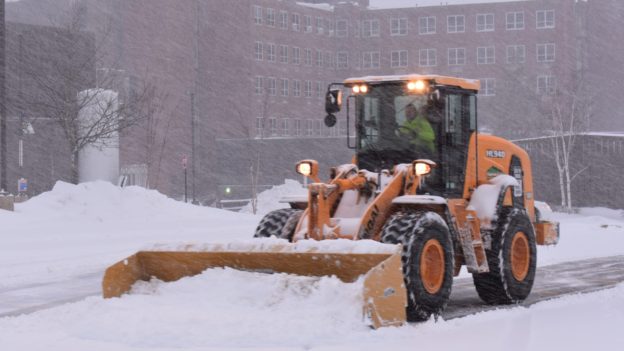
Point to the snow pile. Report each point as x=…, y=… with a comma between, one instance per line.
x=269, y=200
x=78, y=230
x=100, y=200
x=602, y=212
x=485, y=196
x=219, y=308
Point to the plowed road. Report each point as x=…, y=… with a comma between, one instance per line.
x=550, y=282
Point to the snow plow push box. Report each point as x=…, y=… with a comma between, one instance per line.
x=383, y=297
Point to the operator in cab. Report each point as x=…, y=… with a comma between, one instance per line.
x=417, y=130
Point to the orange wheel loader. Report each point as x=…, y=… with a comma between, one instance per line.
x=422, y=180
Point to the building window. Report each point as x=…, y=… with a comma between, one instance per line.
x=514, y=20
x=284, y=87
x=427, y=25
x=456, y=56
x=259, y=126
x=370, y=28
x=285, y=127
x=342, y=28
x=488, y=86
x=272, y=126
x=319, y=58
x=328, y=59
x=283, y=54
x=330, y=27
x=258, y=51
x=546, y=85
x=545, y=19
x=307, y=88
x=545, y=52
x=398, y=26
x=283, y=20
x=297, y=128
x=296, y=88
x=485, y=22
x=259, y=85
x=309, y=127
x=485, y=55
x=270, y=52
x=319, y=89
x=318, y=127
x=257, y=11
x=270, y=17
x=271, y=83
x=295, y=22
x=308, y=57
x=320, y=26
x=516, y=54
x=307, y=20
x=296, y=55
x=427, y=57
x=455, y=24
x=370, y=59
x=398, y=58
x=342, y=60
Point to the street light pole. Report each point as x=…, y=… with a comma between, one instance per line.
x=3, y=117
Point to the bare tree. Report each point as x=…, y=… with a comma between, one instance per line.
x=570, y=114
x=251, y=134
x=76, y=84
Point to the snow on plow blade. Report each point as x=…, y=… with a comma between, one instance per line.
x=384, y=296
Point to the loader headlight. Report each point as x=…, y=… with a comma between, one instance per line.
x=418, y=86
x=308, y=168
x=360, y=89
x=304, y=168
x=423, y=167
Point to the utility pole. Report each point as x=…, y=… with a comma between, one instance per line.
x=3, y=117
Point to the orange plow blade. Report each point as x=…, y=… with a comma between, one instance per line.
x=384, y=296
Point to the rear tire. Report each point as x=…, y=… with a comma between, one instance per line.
x=279, y=223
x=427, y=259
x=512, y=260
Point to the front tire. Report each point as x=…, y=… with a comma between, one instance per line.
x=512, y=260
x=427, y=259
x=279, y=223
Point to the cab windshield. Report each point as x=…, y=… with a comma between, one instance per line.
x=395, y=126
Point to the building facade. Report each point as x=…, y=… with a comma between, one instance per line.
x=252, y=70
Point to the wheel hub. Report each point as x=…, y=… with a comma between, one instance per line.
x=520, y=256
x=432, y=266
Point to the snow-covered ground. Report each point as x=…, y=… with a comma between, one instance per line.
x=74, y=232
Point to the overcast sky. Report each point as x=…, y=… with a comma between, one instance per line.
x=410, y=3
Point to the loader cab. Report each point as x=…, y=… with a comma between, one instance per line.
x=400, y=121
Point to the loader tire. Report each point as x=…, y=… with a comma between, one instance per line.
x=279, y=223
x=512, y=260
x=427, y=259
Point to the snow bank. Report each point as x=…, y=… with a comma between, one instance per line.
x=220, y=308
x=224, y=309
x=102, y=201
x=77, y=230
x=268, y=200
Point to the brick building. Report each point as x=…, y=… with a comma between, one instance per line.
x=256, y=70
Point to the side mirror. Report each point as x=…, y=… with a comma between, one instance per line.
x=333, y=101
x=434, y=96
